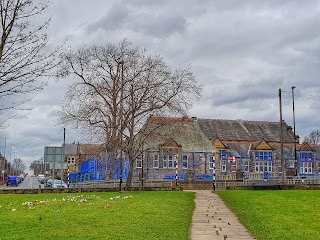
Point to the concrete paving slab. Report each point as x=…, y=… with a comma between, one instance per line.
x=212, y=219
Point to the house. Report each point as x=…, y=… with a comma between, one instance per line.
x=77, y=153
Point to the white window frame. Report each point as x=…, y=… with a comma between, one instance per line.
x=263, y=166
x=306, y=168
x=247, y=166
x=139, y=163
x=171, y=161
x=155, y=161
x=212, y=162
x=185, y=164
x=291, y=164
x=223, y=166
x=165, y=162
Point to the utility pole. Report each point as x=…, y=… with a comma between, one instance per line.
x=121, y=121
x=294, y=132
x=62, y=157
x=281, y=139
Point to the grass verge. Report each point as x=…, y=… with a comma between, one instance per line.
x=136, y=215
x=277, y=215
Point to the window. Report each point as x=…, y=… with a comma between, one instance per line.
x=306, y=162
x=155, y=161
x=263, y=166
x=185, y=162
x=233, y=166
x=263, y=156
x=139, y=163
x=212, y=162
x=306, y=168
x=223, y=166
x=304, y=157
x=165, y=162
x=170, y=161
x=291, y=164
x=223, y=155
x=263, y=161
x=246, y=166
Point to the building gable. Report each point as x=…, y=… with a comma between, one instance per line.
x=306, y=147
x=263, y=145
x=170, y=143
x=219, y=144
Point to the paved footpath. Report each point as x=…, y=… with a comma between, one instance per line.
x=212, y=219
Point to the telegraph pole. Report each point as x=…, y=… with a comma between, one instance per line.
x=294, y=132
x=281, y=139
x=121, y=121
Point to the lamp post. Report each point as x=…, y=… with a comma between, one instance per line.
x=5, y=166
x=294, y=131
x=214, y=170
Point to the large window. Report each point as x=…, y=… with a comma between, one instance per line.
x=263, y=161
x=169, y=161
x=263, y=166
x=306, y=163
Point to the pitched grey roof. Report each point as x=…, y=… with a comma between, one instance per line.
x=184, y=131
x=240, y=130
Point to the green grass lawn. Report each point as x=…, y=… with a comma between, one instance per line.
x=136, y=215
x=277, y=215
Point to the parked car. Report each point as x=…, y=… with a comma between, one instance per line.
x=19, y=179
x=59, y=184
x=48, y=183
x=41, y=178
x=22, y=176
x=12, y=181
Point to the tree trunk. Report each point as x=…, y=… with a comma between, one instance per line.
x=130, y=174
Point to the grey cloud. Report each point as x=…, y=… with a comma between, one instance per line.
x=115, y=19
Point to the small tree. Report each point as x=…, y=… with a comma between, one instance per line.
x=313, y=137
x=23, y=59
x=117, y=88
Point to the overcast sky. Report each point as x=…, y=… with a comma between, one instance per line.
x=241, y=51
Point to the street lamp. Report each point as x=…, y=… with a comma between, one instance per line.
x=5, y=166
x=294, y=130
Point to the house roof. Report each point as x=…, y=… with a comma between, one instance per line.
x=83, y=149
x=240, y=130
x=184, y=131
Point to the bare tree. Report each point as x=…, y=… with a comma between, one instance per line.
x=18, y=166
x=313, y=137
x=117, y=88
x=24, y=61
x=37, y=166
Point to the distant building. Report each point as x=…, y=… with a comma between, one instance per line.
x=249, y=149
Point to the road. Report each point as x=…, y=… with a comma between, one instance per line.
x=28, y=183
